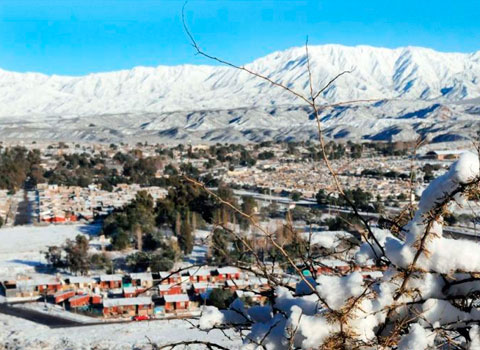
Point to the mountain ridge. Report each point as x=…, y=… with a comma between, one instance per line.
x=417, y=88
x=333, y=45
x=408, y=72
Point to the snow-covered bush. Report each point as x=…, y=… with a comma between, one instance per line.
x=425, y=299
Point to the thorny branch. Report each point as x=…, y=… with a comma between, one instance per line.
x=263, y=230
x=399, y=325
x=186, y=344
x=311, y=101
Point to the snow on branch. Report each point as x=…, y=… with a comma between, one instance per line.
x=419, y=303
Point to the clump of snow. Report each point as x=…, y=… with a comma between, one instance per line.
x=444, y=255
x=211, y=317
x=260, y=313
x=337, y=290
x=465, y=169
x=437, y=312
x=235, y=314
x=365, y=253
x=313, y=330
x=475, y=338
x=304, y=288
x=325, y=239
x=417, y=338
x=285, y=300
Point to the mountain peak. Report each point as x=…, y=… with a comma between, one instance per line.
x=408, y=72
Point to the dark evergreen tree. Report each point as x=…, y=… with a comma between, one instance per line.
x=185, y=239
x=77, y=255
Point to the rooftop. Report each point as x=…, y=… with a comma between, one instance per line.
x=127, y=301
x=175, y=298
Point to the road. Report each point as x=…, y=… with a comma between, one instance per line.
x=38, y=317
x=23, y=215
x=54, y=321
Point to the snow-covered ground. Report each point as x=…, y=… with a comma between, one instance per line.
x=21, y=246
x=16, y=333
x=57, y=310
x=198, y=255
x=20, y=251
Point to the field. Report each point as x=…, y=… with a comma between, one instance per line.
x=19, y=334
x=21, y=246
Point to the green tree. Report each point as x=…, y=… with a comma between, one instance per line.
x=170, y=170
x=120, y=240
x=295, y=196
x=219, y=247
x=77, y=259
x=220, y=298
x=101, y=262
x=266, y=155
x=162, y=259
x=322, y=197
x=185, y=239
x=249, y=205
x=53, y=255
x=161, y=262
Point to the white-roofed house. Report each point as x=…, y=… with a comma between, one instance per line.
x=257, y=282
x=108, y=282
x=81, y=282
x=201, y=287
x=38, y=286
x=130, y=307
x=253, y=296
x=176, y=302
x=200, y=275
x=142, y=279
x=227, y=273
x=170, y=289
x=79, y=300
x=131, y=291
x=169, y=278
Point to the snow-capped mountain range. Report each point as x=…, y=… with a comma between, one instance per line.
x=421, y=90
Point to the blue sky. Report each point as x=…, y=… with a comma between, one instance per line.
x=82, y=36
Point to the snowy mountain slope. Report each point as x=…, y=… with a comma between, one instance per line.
x=411, y=72
x=386, y=120
x=421, y=86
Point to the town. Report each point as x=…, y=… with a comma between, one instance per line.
x=226, y=175
x=71, y=182
x=155, y=247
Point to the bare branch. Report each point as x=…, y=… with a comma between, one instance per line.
x=206, y=344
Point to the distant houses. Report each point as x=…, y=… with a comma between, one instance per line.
x=123, y=295
x=31, y=287
x=444, y=154
x=66, y=204
x=149, y=294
